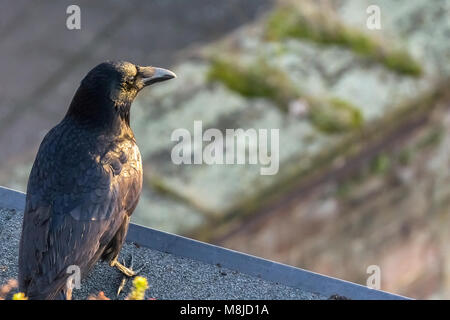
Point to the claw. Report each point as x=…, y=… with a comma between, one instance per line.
x=131, y=262
x=127, y=275
x=122, y=285
x=140, y=269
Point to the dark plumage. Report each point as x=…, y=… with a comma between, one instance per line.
x=85, y=182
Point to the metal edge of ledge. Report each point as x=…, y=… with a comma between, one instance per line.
x=237, y=261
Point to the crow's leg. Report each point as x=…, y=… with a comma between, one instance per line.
x=127, y=271
x=111, y=254
x=112, y=251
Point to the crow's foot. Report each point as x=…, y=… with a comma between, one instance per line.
x=127, y=271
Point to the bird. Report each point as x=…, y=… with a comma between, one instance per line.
x=85, y=182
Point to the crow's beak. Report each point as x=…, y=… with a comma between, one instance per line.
x=151, y=75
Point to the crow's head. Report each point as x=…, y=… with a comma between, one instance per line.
x=108, y=90
x=122, y=80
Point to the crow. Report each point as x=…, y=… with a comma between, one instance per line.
x=85, y=182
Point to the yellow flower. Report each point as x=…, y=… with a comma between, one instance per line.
x=19, y=296
x=140, y=285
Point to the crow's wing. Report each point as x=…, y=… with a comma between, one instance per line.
x=76, y=202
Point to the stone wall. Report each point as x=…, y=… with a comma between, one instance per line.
x=318, y=75
x=391, y=211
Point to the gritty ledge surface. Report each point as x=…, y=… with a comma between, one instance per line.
x=169, y=276
x=182, y=268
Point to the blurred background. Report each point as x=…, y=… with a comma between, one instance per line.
x=363, y=115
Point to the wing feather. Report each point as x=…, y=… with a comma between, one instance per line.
x=74, y=207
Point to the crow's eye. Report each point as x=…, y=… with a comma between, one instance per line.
x=130, y=79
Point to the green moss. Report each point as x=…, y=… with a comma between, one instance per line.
x=257, y=80
x=288, y=22
x=358, y=42
x=285, y=23
x=431, y=138
x=344, y=189
x=381, y=164
x=402, y=62
x=260, y=80
x=335, y=116
x=405, y=156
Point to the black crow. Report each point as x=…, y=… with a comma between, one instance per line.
x=85, y=182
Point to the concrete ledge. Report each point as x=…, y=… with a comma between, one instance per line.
x=268, y=279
